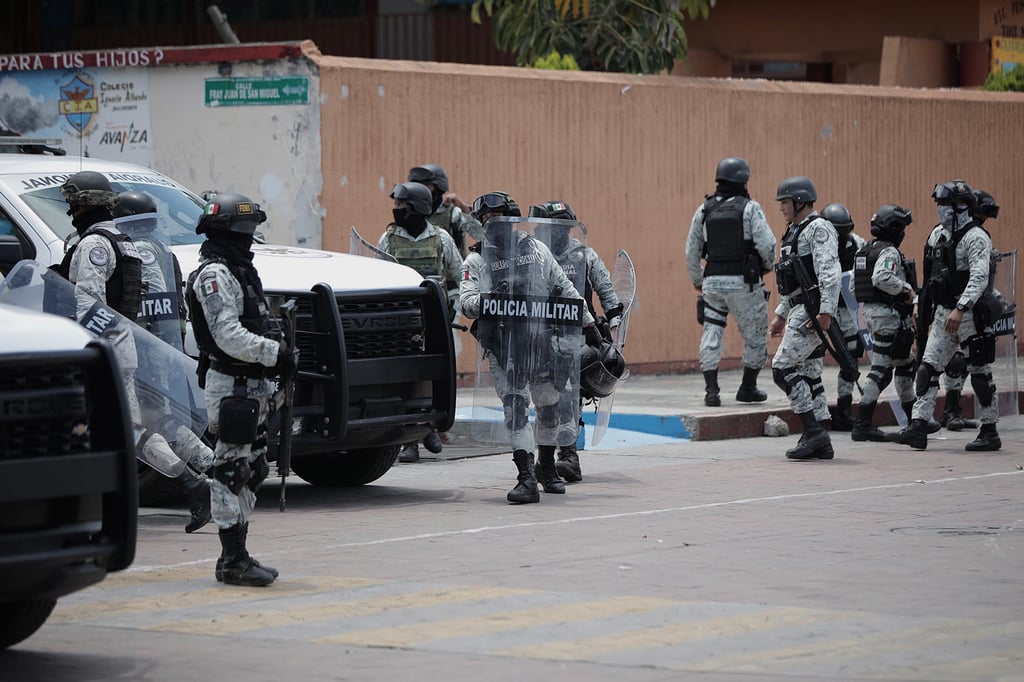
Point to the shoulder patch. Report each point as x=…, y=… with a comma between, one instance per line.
x=208, y=285
x=214, y=303
x=98, y=255
x=147, y=255
x=820, y=235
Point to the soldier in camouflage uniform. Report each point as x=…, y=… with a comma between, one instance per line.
x=488, y=261
x=960, y=280
x=570, y=253
x=106, y=266
x=886, y=298
x=240, y=350
x=730, y=233
x=450, y=213
x=797, y=365
x=429, y=250
x=849, y=244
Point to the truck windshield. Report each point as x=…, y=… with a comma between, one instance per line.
x=180, y=210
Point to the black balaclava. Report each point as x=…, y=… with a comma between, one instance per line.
x=725, y=188
x=894, y=237
x=437, y=197
x=413, y=223
x=96, y=214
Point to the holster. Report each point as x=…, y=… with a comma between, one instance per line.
x=700, y=310
x=239, y=417
x=981, y=349
x=902, y=342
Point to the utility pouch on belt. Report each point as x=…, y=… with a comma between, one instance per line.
x=751, y=268
x=239, y=418
x=981, y=349
x=902, y=342
x=785, y=277
x=700, y=310
x=987, y=310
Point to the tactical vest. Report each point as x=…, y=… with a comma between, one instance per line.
x=725, y=247
x=946, y=282
x=785, y=277
x=569, y=270
x=161, y=306
x=443, y=221
x=425, y=256
x=124, y=286
x=866, y=259
x=847, y=252
x=255, y=317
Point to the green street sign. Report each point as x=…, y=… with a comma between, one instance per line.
x=233, y=92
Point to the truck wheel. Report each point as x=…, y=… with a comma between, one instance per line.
x=355, y=467
x=18, y=620
x=156, y=490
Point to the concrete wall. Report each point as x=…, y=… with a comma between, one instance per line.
x=634, y=156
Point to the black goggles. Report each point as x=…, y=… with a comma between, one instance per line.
x=492, y=201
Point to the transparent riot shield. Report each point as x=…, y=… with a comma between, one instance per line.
x=358, y=246
x=529, y=332
x=1004, y=369
x=162, y=312
x=624, y=280
x=166, y=406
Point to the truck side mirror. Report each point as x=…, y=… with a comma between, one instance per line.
x=10, y=252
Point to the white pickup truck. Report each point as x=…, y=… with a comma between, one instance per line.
x=377, y=362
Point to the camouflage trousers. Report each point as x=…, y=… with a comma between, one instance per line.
x=883, y=322
x=227, y=508
x=937, y=352
x=730, y=295
x=848, y=325
x=798, y=363
x=556, y=400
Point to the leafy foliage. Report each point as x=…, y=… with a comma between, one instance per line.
x=556, y=62
x=1009, y=81
x=628, y=36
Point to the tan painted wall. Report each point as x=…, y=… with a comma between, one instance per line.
x=634, y=156
x=917, y=63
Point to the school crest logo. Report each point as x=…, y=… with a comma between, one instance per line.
x=78, y=102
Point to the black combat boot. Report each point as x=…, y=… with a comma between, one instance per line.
x=526, y=488
x=987, y=440
x=863, y=429
x=568, y=464
x=952, y=417
x=915, y=435
x=239, y=568
x=547, y=476
x=815, y=442
x=219, y=570
x=748, y=391
x=711, y=396
x=197, y=490
x=842, y=417
x=931, y=426
x=432, y=442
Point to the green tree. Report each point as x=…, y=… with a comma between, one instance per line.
x=1011, y=81
x=627, y=36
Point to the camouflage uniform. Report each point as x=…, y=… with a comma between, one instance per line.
x=447, y=254
x=797, y=364
x=847, y=320
x=458, y=225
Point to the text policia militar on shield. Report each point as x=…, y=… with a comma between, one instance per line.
x=553, y=310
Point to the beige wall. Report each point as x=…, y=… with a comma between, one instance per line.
x=917, y=63
x=634, y=156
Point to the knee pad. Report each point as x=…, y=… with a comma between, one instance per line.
x=984, y=388
x=260, y=470
x=906, y=370
x=926, y=376
x=234, y=474
x=815, y=385
x=881, y=376
x=518, y=413
x=781, y=379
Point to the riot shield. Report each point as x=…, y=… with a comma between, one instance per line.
x=624, y=280
x=358, y=246
x=529, y=332
x=1004, y=369
x=162, y=403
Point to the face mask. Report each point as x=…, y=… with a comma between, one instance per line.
x=437, y=197
x=946, y=216
x=962, y=218
x=412, y=223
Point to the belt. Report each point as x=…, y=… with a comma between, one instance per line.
x=243, y=370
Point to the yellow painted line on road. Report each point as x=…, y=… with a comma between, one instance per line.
x=867, y=646
x=500, y=621
x=222, y=594
x=673, y=634
x=225, y=624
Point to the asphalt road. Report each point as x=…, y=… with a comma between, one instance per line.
x=694, y=560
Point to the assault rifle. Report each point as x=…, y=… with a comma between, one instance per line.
x=833, y=339
x=287, y=394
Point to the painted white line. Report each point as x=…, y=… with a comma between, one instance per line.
x=621, y=515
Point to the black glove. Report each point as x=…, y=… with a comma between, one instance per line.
x=287, y=359
x=613, y=312
x=592, y=335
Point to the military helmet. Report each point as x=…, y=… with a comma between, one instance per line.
x=88, y=188
x=987, y=206
x=600, y=370
x=429, y=172
x=231, y=212
x=839, y=216
x=557, y=210
x=416, y=195
x=133, y=203
x=733, y=169
x=495, y=202
x=953, y=193
x=891, y=218
x=798, y=188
